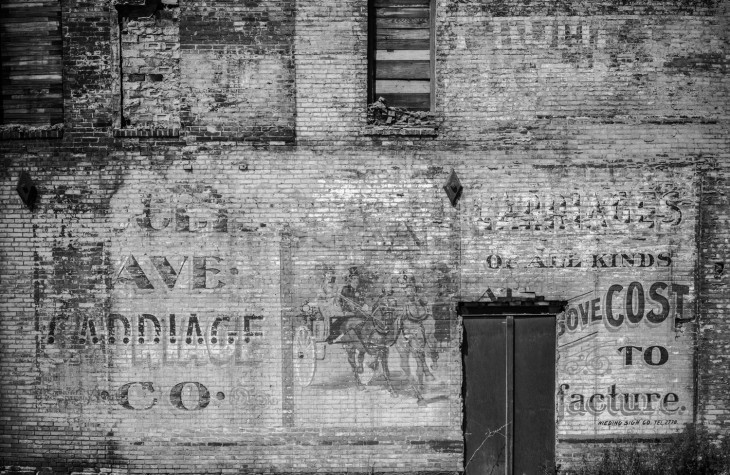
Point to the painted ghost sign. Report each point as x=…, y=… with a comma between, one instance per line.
x=371, y=338
x=625, y=360
x=194, y=322
x=619, y=247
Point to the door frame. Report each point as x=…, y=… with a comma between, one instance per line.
x=506, y=308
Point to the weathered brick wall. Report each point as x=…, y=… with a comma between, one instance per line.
x=237, y=61
x=154, y=303
x=331, y=68
x=206, y=285
x=150, y=71
x=712, y=348
x=619, y=247
x=615, y=65
x=86, y=71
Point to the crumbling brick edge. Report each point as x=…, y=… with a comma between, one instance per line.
x=23, y=132
x=162, y=132
x=409, y=131
x=383, y=119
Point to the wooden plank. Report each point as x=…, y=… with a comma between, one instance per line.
x=29, y=5
x=395, y=86
x=403, y=55
x=41, y=65
x=33, y=22
x=36, y=98
x=29, y=12
x=391, y=44
x=33, y=69
x=33, y=77
x=36, y=26
x=403, y=69
x=40, y=45
x=408, y=101
x=402, y=13
x=386, y=34
x=47, y=61
x=30, y=23
x=14, y=91
x=30, y=50
x=401, y=3
x=46, y=109
x=402, y=23
x=32, y=115
x=49, y=49
x=29, y=31
x=23, y=19
x=16, y=106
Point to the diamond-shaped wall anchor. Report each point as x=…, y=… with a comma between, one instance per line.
x=719, y=268
x=453, y=188
x=27, y=190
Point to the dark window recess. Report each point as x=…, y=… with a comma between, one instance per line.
x=400, y=53
x=31, y=56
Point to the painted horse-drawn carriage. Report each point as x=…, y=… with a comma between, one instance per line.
x=356, y=327
x=362, y=331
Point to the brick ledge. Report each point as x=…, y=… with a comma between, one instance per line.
x=142, y=132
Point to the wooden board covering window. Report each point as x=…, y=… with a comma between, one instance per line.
x=30, y=53
x=401, y=58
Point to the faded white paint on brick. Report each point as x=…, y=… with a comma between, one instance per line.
x=592, y=135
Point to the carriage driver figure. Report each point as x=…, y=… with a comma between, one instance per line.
x=352, y=300
x=327, y=299
x=348, y=307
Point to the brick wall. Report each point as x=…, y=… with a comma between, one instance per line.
x=172, y=303
x=712, y=277
x=238, y=63
x=150, y=70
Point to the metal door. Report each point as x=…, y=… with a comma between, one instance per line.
x=509, y=384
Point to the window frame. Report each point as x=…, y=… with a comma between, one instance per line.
x=372, y=40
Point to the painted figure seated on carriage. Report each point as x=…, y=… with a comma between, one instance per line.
x=336, y=316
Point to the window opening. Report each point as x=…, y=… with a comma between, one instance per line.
x=400, y=61
x=31, y=68
x=149, y=62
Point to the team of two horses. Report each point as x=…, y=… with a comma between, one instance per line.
x=374, y=333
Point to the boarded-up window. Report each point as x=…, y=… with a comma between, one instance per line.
x=30, y=52
x=401, y=53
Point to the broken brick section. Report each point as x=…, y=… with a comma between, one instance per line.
x=150, y=57
x=380, y=113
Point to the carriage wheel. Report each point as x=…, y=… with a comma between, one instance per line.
x=305, y=359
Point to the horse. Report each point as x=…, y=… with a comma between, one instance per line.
x=371, y=333
x=414, y=341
